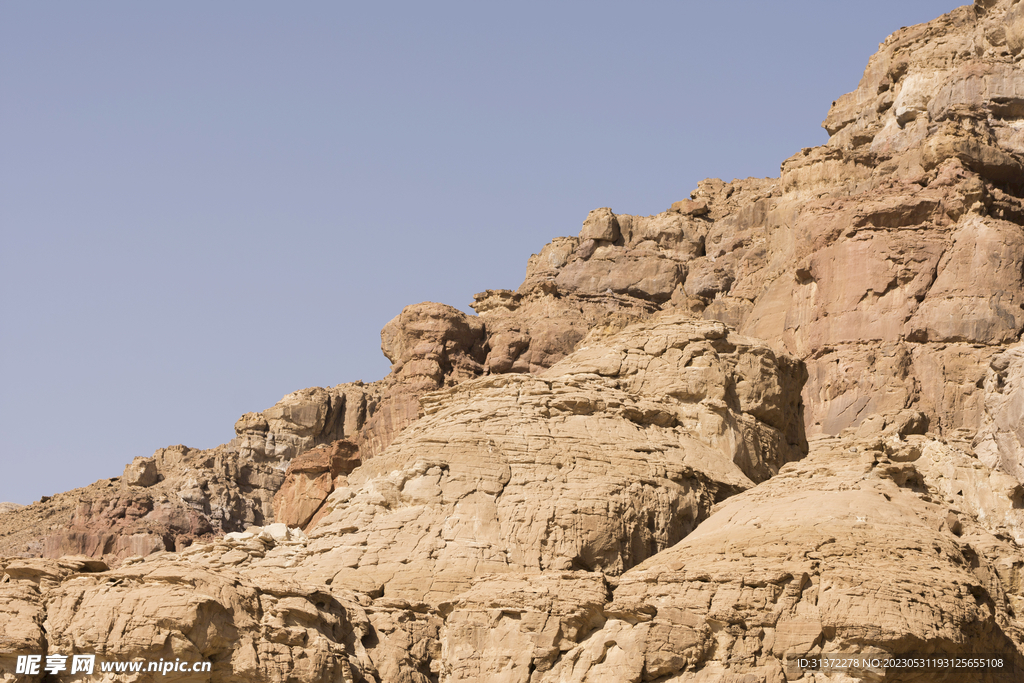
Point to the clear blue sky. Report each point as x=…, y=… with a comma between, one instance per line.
x=205, y=206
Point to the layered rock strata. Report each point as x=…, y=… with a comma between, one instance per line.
x=872, y=544
x=602, y=475
x=611, y=455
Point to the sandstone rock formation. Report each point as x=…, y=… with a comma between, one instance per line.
x=311, y=478
x=163, y=502
x=782, y=418
x=869, y=544
x=610, y=456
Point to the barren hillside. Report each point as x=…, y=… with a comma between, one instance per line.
x=780, y=419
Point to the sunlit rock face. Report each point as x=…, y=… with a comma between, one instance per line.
x=781, y=418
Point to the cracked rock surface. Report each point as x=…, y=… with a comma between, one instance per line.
x=781, y=418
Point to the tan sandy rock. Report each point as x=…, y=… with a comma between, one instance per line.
x=21, y=625
x=171, y=608
x=875, y=238
x=24, y=586
x=599, y=477
x=297, y=422
x=1000, y=439
x=992, y=498
x=430, y=345
x=601, y=224
x=141, y=472
x=506, y=628
x=620, y=269
x=897, y=261
x=837, y=553
x=166, y=501
x=533, y=330
x=690, y=207
x=613, y=454
x=196, y=494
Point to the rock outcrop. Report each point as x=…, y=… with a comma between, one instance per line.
x=892, y=254
x=838, y=553
x=311, y=478
x=163, y=502
x=780, y=419
x=608, y=457
x=871, y=544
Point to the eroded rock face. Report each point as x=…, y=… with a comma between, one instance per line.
x=170, y=608
x=506, y=628
x=168, y=500
x=1000, y=439
x=613, y=454
x=310, y=479
x=878, y=542
x=838, y=553
x=889, y=259
x=904, y=230
x=601, y=476
x=864, y=546
x=609, y=457
x=164, y=502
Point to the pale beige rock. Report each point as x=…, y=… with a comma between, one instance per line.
x=171, y=608
x=530, y=330
x=989, y=495
x=616, y=270
x=24, y=585
x=614, y=453
x=690, y=207
x=294, y=424
x=141, y=472
x=880, y=235
x=960, y=305
x=601, y=224
x=1013, y=29
x=504, y=628
x=835, y=554
x=21, y=625
x=595, y=479
x=181, y=494
x=1000, y=438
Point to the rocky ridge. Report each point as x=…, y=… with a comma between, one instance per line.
x=780, y=418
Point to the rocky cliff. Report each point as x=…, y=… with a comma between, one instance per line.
x=781, y=418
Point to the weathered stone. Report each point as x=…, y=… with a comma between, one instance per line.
x=602, y=477
x=1000, y=438
x=506, y=627
x=828, y=556
x=690, y=207
x=310, y=479
x=601, y=224
x=620, y=448
x=141, y=472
